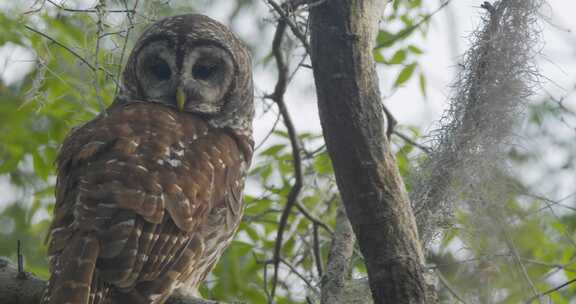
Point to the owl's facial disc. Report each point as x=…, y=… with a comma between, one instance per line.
x=205, y=79
x=197, y=82
x=157, y=73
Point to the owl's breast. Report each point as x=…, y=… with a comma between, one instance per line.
x=153, y=160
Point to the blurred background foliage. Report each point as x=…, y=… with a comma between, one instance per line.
x=76, y=50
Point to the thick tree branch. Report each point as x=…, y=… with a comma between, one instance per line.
x=342, y=39
x=339, y=259
x=16, y=288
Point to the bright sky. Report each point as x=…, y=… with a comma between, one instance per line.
x=447, y=40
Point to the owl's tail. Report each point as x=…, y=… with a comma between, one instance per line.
x=74, y=279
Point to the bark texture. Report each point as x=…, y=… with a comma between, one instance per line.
x=338, y=267
x=25, y=288
x=18, y=288
x=342, y=38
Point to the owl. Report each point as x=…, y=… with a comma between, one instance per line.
x=149, y=193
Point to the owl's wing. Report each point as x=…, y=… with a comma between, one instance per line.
x=156, y=193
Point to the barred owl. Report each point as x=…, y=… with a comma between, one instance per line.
x=149, y=193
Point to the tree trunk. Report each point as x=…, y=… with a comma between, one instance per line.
x=342, y=38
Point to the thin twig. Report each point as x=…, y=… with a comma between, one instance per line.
x=265, y=139
x=119, y=33
x=413, y=143
x=312, y=154
x=292, y=5
x=449, y=287
x=489, y=7
x=391, y=120
x=96, y=57
x=295, y=29
x=317, y=253
x=298, y=66
x=404, y=33
x=72, y=10
x=549, y=204
x=35, y=10
x=312, y=218
x=278, y=97
x=296, y=272
x=62, y=46
x=130, y=17
x=516, y=256
x=69, y=50
x=266, y=292
x=21, y=272
x=564, y=266
x=549, y=291
x=257, y=217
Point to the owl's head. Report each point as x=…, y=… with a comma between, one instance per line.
x=195, y=64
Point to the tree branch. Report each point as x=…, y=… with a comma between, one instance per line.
x=16, y=288
x=129, y=27
x=97, y=11
x=316, y=221
x=549, y=291
x=342, y=39
x=100, y=29
x=412, y=142
x=338, y=265
x=406, y=32
x=278, y=97
x=286, y=19
x=71, y=51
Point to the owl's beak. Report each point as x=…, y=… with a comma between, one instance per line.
x=180, y=98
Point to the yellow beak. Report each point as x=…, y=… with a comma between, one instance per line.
x=180, y=98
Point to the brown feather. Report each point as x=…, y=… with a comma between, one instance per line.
x=147, y=197
x=138, y=204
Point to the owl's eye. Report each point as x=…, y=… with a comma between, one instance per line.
x=160, y=69
x=204, y=71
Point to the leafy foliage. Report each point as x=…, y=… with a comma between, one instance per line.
x=59, y=93
x=396, y=48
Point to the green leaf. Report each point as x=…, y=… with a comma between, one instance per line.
x=385, y=39
x=250, y=231
x=323, y=164
x=273, y=150
x=416, y=50
x=405, y=75
x=378, y=56
x=398, y=57
x=406, y=20
x=423, y=86
x=266, y=172
x=41, y=168
x=414, y=4
x=281, y=133
x=449, y=235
